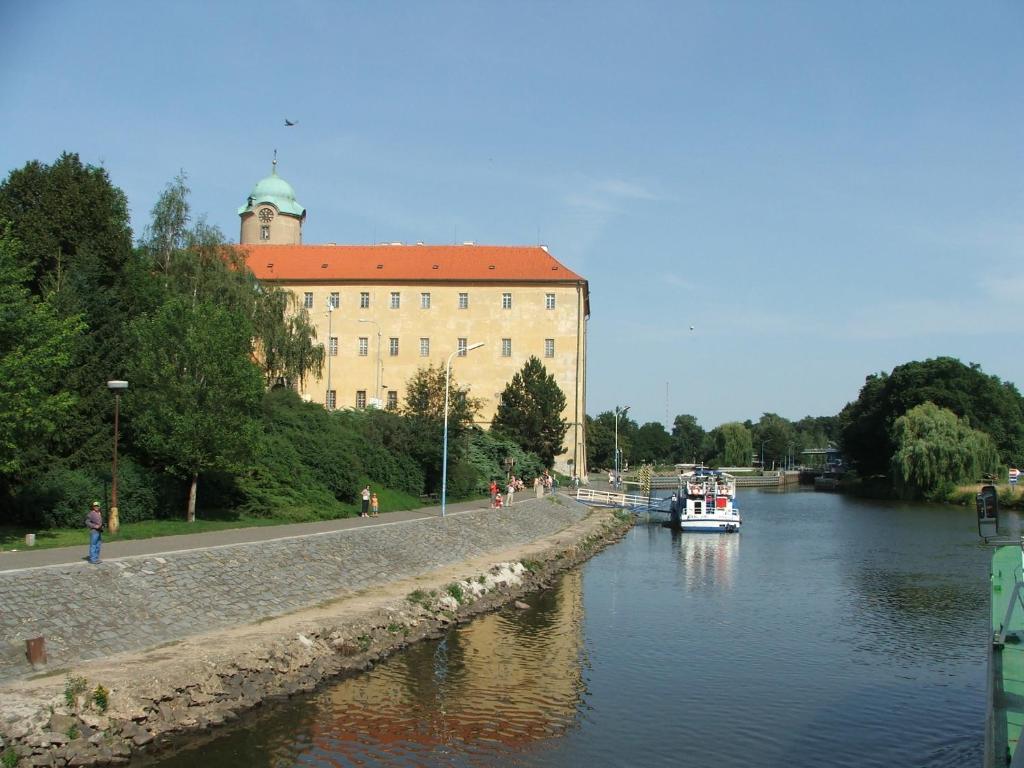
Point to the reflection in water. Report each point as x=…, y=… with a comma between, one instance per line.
x=707, y=559
x=506, y=680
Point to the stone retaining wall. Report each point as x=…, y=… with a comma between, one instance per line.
x=86, y=612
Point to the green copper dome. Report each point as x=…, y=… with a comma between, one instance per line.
x=276, y=191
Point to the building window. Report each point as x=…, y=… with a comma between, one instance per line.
x=364, y=299
x=462, y=347
x=549, y=347
x=392, y=400
x=549, y=301
x=506, y=301
x=393, y=346
x=506, y=347
x=360, y=398
x=364, y=345
x=264, y=231
x=332, y=399
x=307, y=300
x=335, y=300
x=424, y=301
x=396, y=300
x=332, y=346
x=424, y=347
x=463, y=301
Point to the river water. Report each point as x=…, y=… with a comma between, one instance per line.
x=829, y=632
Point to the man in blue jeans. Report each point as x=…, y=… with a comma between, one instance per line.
x=94, y=522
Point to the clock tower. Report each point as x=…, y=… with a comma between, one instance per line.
x=272, y=214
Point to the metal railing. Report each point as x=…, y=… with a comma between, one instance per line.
x=596, y=498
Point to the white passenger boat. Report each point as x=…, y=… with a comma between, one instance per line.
x=705, y=503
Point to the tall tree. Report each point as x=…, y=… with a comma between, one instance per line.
x=192, y=259
x=35, y=346
x=285, y=339
x=984, y=402
x=935, y=451
x=530, y=412
x=653, y=444
x=732, y=444
x=424, y=408
x=687, y=439
x=777, y=436
x=75, y=238
x=193, y=406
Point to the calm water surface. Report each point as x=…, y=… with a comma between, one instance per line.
x=830, y=632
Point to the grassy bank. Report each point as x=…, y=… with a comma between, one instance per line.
x=13, y=537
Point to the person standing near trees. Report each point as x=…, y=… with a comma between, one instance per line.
x=366, y=502
x=510, y=490
x=374, y=506
x=94, y=522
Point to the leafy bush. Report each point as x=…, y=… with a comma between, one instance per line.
x=487, y=454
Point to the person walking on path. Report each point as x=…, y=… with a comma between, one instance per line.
x=94, y=522
x=510, y=491
x=538, y=486
x=374, y=506
x=366, y=502
x=494, y=491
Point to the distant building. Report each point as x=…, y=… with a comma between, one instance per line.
x=395, y=308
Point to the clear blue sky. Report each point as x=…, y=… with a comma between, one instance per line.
x=822, y=190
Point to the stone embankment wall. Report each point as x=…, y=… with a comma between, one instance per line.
x=87, y=612
x=169, y=695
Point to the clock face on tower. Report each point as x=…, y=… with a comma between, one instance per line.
x=265, y=214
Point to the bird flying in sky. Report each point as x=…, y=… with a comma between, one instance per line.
x=289, y=123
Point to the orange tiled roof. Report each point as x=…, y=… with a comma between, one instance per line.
x=391, y=263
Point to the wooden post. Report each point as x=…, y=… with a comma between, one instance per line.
x=35, y=650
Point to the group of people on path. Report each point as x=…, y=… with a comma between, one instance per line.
x=544, y=483
x=371, y=506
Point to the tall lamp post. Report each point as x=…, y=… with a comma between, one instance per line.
x=619, y=412
x=380, y=371
x=762, y=455
x=117, y=387
x=330, y=331
x=444, y=451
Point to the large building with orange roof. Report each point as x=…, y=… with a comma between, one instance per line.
x=384, y=311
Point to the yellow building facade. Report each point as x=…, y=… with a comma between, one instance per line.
x=384, y=311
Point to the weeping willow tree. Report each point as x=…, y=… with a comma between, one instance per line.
x=935, y=450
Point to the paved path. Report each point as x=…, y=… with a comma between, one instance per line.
x=35, y=558
x=146, y=593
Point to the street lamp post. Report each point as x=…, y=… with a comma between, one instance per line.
x=762, y=454
x=330, y=318
x=117, y=387
x=380, y=365
x=444, y=450
x=618, y=412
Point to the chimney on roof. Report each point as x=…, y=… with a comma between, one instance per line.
x=394, y=243
x=419, y=242
x=469, y=242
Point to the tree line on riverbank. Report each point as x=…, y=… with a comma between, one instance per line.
x=917, y=432
x=212, y=358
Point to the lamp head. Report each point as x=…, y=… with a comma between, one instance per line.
x=475, y=346
x=117, y=385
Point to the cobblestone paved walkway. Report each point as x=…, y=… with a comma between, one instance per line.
x=159, y=590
